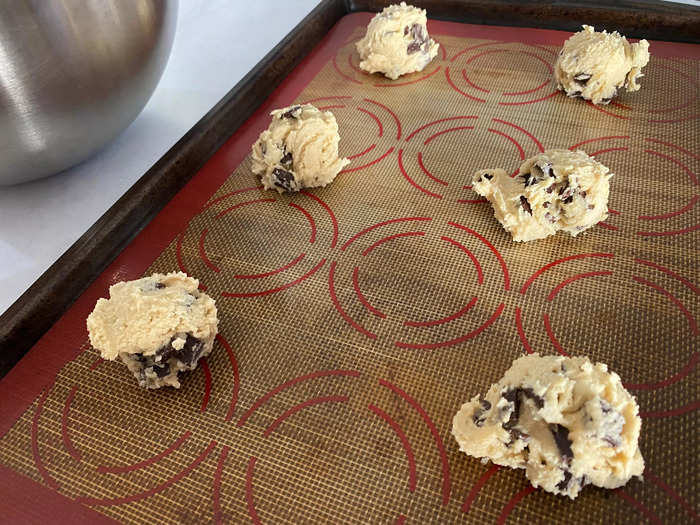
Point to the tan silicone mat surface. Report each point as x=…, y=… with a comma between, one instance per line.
x=356, y=319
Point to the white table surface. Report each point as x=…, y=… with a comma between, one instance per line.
x=40, y=220
x=216, y=43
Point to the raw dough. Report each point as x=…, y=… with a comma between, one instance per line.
x=594, y=65
x=555, y=190
x=298, y=150
x=566, y=421
x=158, y=326
x=397, y=42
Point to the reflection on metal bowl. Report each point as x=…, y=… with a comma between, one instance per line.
x=74, y=74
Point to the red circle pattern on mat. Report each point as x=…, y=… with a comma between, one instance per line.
x=413, y=156
x=650, y=280
x=676, y=166
x=463, y=74
x=286, y=393
x=418, y=334
x=311, y=210
x=271, y=424
x=402, y=398
x=682, y=106
x=199, y=446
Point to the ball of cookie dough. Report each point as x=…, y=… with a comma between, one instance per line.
x=397, y=42
x=566, y=421
x=298, y=150
x=555, y=190
x=158, y=326
x=594, y=65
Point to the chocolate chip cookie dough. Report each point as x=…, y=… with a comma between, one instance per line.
x=298, y=150
x=555, y=190
x=158, y=326
x=397, y=42
x=566, y=421
x=594, y=65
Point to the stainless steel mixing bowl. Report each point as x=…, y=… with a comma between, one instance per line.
x=73, y=74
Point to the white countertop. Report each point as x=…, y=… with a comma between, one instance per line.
x=40, y=220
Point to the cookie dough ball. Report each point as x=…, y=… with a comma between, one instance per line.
x=397, y=42
x=566, y=421
x=555, y=190
x=298, y=150
x=158, y=326
x=594, y=65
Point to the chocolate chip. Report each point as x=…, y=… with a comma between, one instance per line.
x=539, y=171
x=291, y=112
x=583, y=194
x=405, y=30
x=418, y=33
x=487, y=176
x=478, y=416
x=528, y=179
x=162, y=371
x=191, y=350
x=611, y=441
x=287, y=160
x=550, y=189
x=516, y=434
x=566, y=191
x=159, y=286
x=583, y=78
x=525, y=204
x=284, y=179
x=564, y=483
x=510, y=395
x=570, y=481
x=530, y=394
x=544, y=169
x=568, y=200
x=165, y=352
x=613, y=422
x=413, y=47
x=561, y=437
x=545, y=204
x=419, y=38
x=551, y=218
x=513, y=397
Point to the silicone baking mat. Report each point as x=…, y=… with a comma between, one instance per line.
x=357, y=318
